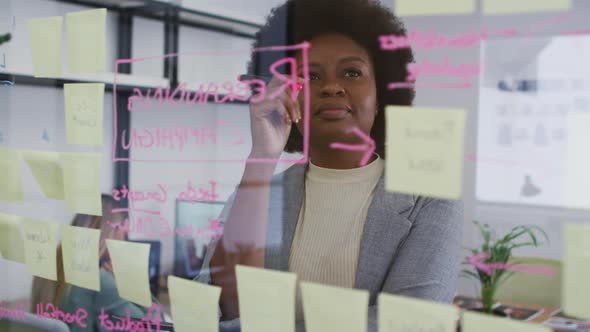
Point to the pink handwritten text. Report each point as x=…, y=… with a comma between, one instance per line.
x=18, y=312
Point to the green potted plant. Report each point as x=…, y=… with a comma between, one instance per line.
x=491, y=260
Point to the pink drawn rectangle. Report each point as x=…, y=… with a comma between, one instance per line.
x=303, y=47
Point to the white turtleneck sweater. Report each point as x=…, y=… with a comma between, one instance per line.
x=327, y=239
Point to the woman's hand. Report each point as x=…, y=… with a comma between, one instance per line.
x=271, y=121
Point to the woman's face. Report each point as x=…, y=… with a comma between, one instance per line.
x=343, y=94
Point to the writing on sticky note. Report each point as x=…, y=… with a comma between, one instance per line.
x=331, y=309
x=266, y=299
x=47, y=172
x=11, y=240
x=190, y=315
x=476, y=322
x=425, y=151
x=80, y=256
x=576, y=270
x=500, y=7
x=84, y=104
x=429, y=7
x=45, y=40
x=397, y=313
x=82, y=174
x=11, y=189
x=130, y=266
x=86, y=31
x=40, y=241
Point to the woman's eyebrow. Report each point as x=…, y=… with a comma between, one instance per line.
x=352, y=59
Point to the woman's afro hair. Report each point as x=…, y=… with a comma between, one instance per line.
x=363, y=21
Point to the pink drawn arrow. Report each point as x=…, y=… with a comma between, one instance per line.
x=368, y=146
x=488, y=268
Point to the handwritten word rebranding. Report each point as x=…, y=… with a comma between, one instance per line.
x=18, y=312
x=426, y=68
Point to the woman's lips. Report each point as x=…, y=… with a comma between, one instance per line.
x=332, y=114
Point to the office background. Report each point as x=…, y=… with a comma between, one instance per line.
x=31, y=110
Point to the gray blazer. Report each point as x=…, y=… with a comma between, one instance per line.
x=411, y=245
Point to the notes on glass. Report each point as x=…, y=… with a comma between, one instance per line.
x=40, y=242
x=86, y=31
x=425, y=151
x=80, y=256
x=476, y=322
x=190, y=314
x=130, y=266
x=84, y=104
x=500, y=7
x=82, y=173
x=266, y=299
x=11, y=188
x=47, y=172
x=429, y=7
x=45, y=41
x=11, y=240
x=418, y=315
x=332, y=309
x=576, y=270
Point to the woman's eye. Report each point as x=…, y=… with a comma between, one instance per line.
x=313, y=77
x=352, y=73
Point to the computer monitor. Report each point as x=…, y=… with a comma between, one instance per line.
x=193, y=233
x=154, y=264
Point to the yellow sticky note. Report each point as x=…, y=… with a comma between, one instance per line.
x=11, y=184
x=47, y=172
x=45, y=39
x=11, y=240
x=266, y=299
x=397, y=313
x=500, y=7
x=82, y=173
x=576, y=270
x=430, y=7
x=80, y=256
x=84, y=104
x=190, y=315
x=334, y=309
x=40, y=239
x=130, y=266
x=425, y=151
x=477, y=322
x=86, y=31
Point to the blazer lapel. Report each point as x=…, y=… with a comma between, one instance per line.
x=386, y=227
x=286, y=198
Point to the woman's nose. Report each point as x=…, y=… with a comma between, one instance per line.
x=331, y=89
